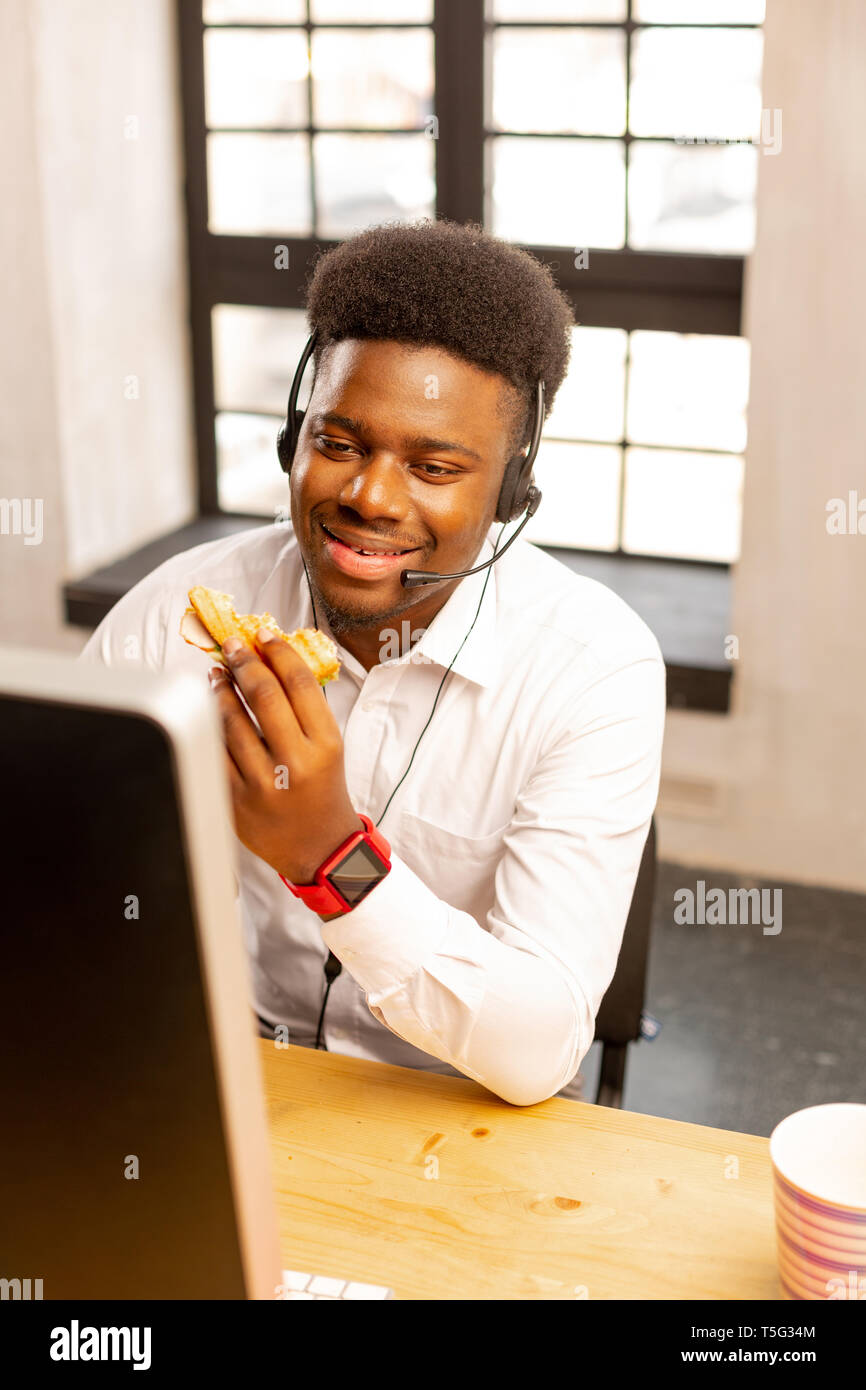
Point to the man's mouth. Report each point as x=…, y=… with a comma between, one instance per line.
x=368, y=545
x=371, y=560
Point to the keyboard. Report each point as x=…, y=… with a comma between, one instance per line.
x=297, y=1285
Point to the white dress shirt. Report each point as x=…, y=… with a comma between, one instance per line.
x=516, y=837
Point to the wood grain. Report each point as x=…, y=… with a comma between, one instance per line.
x=432, y=1185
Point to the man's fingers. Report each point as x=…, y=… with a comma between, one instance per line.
x=242, y=740
x=311, y=709
x=236, y=781
x=267, y=701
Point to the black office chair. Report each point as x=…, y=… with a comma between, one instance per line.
x=620, y=1015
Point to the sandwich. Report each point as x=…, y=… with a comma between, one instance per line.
x=211, y=620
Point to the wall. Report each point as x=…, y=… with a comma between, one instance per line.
x=95, y=401
x=777, y=789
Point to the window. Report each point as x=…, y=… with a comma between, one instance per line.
x=616, y=139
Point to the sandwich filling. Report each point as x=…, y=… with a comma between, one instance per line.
x=211, y=620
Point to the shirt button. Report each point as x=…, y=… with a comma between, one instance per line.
x=368, y=705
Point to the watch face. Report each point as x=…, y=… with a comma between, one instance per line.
x=358, y=873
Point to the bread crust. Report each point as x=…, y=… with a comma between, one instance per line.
x=216, y=615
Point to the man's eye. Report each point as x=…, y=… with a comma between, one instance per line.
x=342, y=448
x=338, y=445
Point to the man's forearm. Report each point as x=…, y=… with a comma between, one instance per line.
x=436, y=978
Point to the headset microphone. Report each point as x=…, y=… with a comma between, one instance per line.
x=516, y=494
x=411, y=579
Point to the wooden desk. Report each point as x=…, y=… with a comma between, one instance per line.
x=556, y=1201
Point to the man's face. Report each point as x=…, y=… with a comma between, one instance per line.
x=402, y=449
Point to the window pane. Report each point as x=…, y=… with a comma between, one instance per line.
x=694, y=82
x=699, y=11
x=364, y=179
x=259, y=184
x=580, y=496
x=557, y=9
x=559, y=79
x=248, y=472
x=557, y=192
x=590, y=402
x=255, y=77
x=692, y=197
x=681, y=504
x=255, y=11
x=690, y=389
x=372, y=11
x=376, y=78
x=255, y=355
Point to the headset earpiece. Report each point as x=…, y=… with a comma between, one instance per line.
x=287, y=437
x=284, y=450
x=287, y=442
x=517, y=479
x=508, y=505
x=514, y=493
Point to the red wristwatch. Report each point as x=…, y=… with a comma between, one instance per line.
x=349, y=874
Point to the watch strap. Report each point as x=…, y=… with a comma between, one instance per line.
x=321, y=895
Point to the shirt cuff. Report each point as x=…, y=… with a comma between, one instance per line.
x=388, y=936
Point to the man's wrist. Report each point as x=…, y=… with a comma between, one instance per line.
x=305, y=875
x=341, y=879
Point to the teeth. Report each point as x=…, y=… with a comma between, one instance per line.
x=358, y=551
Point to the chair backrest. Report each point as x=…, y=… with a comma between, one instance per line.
x=619, y=1016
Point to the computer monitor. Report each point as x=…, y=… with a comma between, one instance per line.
x=134, y=1154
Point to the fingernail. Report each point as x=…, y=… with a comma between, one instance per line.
x=216, y=674
x=264, y=635
x=232, y=646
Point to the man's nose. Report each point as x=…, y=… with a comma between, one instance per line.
x=377, y=487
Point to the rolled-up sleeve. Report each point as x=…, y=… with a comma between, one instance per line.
x=513, y=1004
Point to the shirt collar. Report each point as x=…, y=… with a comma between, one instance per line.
x=477, y=659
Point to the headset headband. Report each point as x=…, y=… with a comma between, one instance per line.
x=518, y=471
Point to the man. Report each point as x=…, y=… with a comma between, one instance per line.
x=516, y=797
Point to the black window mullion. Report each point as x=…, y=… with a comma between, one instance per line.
x=243, y=270
x=629, y=32
x=314, y=207
x=191, y=41
x=458, y=39
x=668, y=291
x=626, y=289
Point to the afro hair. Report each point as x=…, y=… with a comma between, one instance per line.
x=453, y=286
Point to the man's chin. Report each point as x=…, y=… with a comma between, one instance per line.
x=355, y=612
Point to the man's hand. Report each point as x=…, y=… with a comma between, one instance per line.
x=288, y=784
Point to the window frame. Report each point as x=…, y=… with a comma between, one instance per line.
x=680, y=292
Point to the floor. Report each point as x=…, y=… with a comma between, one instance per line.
x=754, y=1026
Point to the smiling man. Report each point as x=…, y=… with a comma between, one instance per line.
x=479, y=781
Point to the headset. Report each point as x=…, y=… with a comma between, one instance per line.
x=516, y=494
